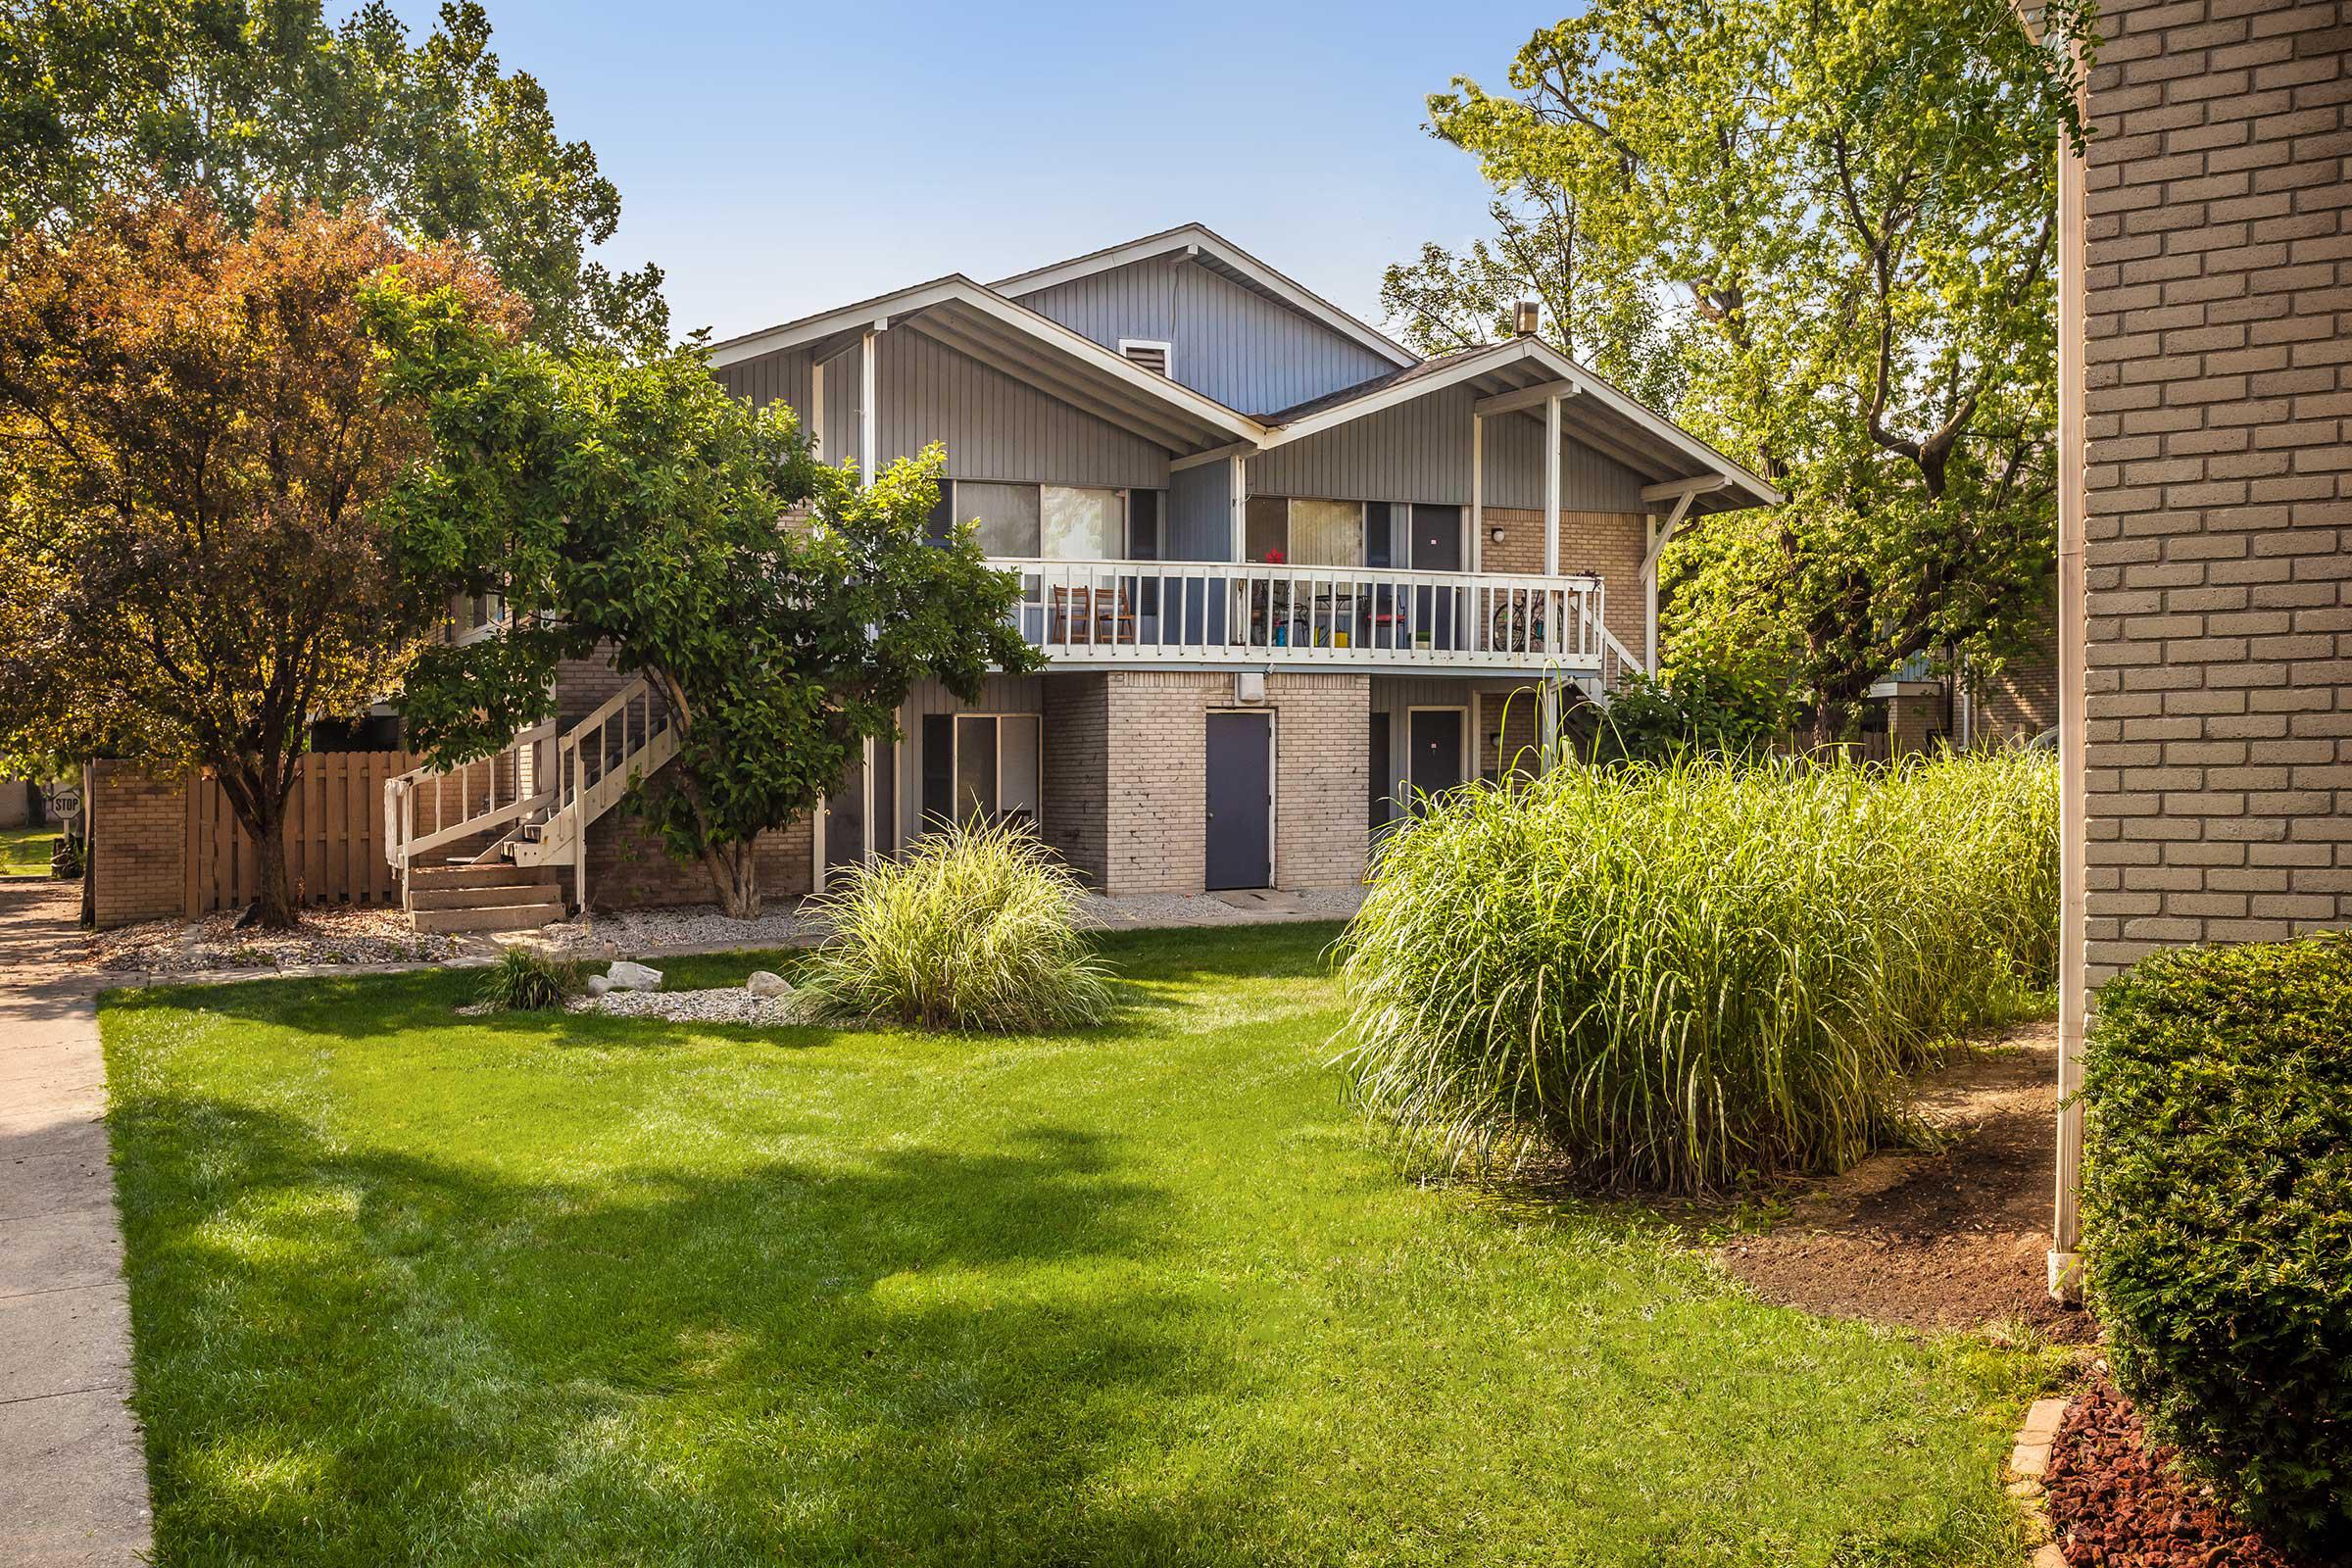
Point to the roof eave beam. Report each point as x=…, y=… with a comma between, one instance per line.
x=1532, y=398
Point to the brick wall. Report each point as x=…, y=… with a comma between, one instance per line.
x=1149, y=790
x=2217, y=543
x=2018, y=703
x=1610, y=542
x=140, y=829
x=1076, y=787
x=627, y=866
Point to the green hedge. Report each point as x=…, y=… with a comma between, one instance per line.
x=2217, y=1204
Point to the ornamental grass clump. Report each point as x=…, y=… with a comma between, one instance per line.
x=974, y=928
x=1683, y=976
x=524, y=981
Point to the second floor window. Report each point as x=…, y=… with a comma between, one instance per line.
x=1058, y=521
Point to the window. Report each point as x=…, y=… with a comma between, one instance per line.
x=1153, y=355
x=1081, y=525
x=1007, y=515
x=1058, y=521
x=1305, y=532
x=983, y=765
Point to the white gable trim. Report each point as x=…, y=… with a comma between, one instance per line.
x=876, y=313
x=1191, y=239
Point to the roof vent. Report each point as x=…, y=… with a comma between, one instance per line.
x=1152, y=356
x=1523, y=317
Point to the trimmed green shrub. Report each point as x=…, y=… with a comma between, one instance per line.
x=2217, y=1218
x=975, y=927
x=525, y=981
x=1685, y=975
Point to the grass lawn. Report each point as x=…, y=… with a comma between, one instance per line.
x=415, y=1288
x=24, y=850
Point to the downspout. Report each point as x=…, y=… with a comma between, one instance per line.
x=2073, y=308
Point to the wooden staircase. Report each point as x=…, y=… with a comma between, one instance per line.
x=483, y=896
x=538, y=805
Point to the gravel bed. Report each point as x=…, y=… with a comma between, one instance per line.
x=328, y=936
x=702, y=925
x=732, y=1004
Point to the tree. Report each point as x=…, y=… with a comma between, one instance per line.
x=196, y=437
x=1845, y=212
x=250, y=99
x=631, y=506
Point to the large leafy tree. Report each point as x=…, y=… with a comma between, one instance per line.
x=195, y=437
x=1823, y=232
x=249, y=99
x=630, y=506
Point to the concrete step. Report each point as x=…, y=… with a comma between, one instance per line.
x=490, y=918
x=487, y=874
x=522, y=886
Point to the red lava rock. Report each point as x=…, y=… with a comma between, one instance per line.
x=2116, y=1502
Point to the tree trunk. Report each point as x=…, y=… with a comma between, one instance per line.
x=736, y=870
x=273, y=899
x=261, y=811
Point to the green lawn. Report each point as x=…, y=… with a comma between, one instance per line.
x=24, y=850
x=412, y=1288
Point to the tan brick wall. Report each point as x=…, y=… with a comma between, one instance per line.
x=2219, y=534
x=1154, y=789
x=1610, y=542
x=139, y=826
x=2020, y=702
x=1076, y=788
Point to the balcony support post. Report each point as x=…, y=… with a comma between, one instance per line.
x=1478, y=492
x=1551, y=486
x=867, y=420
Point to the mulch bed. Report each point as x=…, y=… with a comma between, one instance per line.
x=2116, y=1501
x=1954, y=1237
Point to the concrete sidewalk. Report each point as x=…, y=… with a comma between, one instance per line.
x=73, y=1470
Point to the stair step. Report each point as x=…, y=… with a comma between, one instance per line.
x=521, y=885
x=492, y=918
x=485, y=874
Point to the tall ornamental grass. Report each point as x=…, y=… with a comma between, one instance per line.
x=1683, y=975
x=975, y=927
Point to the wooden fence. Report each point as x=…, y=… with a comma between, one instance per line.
x=334, y=836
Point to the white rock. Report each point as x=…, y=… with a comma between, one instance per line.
x=598, y=984
x=633, y=977
x=765, y=984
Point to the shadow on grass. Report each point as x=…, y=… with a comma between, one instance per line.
x=347, y=1354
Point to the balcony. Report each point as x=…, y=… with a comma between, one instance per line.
x=1096, y=613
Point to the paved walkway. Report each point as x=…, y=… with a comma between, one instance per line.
x=73, y=1472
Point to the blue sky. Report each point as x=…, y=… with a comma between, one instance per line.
x=778, y=159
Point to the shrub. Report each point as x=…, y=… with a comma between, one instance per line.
x=975, y=927
x=1677, y=976
x=525, y=981
x=2216, y=1212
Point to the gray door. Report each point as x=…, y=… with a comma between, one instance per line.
x=1437, y=765
x=1240, y=800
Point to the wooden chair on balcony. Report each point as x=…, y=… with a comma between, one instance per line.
x=1099, y=614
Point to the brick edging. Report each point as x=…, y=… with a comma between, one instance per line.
x=2028, y=1463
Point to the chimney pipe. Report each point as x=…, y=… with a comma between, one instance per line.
x=1523, y=317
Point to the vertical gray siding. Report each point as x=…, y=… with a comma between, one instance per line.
x=1588, y=480
x=1420, y=450
x=1228, y=342
x=1200, y=522
x=993, y=426
x=996, y=427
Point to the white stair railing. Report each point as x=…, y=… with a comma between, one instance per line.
x=596, y=762
x=427, y=807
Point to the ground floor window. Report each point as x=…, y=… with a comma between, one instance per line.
x=982, y=766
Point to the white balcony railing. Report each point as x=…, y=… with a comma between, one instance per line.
x=1223, y=612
